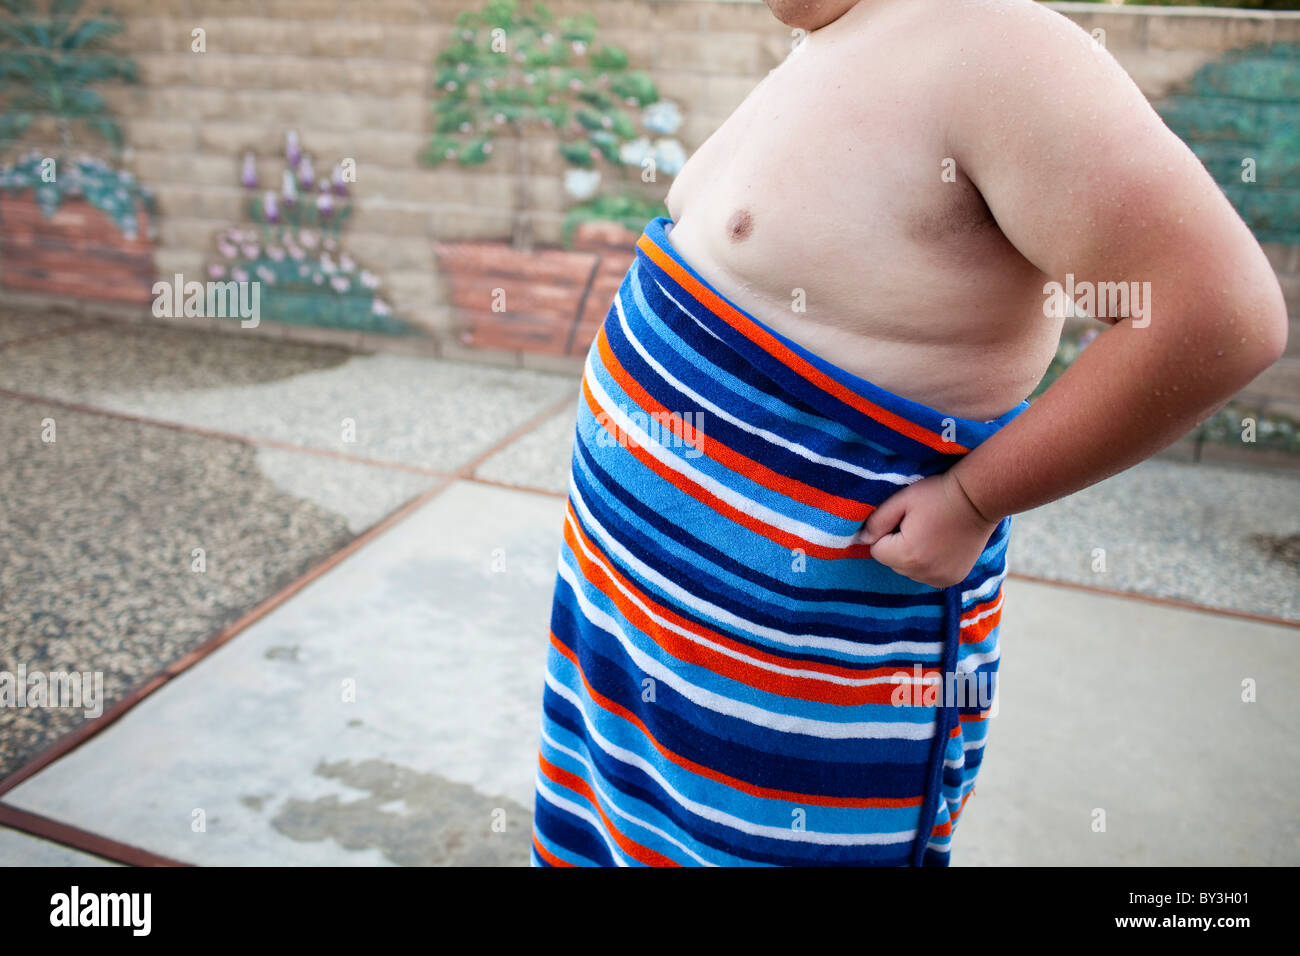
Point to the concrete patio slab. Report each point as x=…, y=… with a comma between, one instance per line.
x=539, y=459
x=1122, y=708
x=394, y=408
x=23, y=849
x=388, y=713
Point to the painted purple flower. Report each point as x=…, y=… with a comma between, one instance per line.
x=289, y=189
x=369, y=279
x=291, y=150
x=347, y=263
x=380, y=307
x=296, y=252
x=340, y=185
x=340, y=283
x=275, y=253
x=271, y=207
x=227, y=249
x=266, y=275
x=248, y=178
x=308, y=239
x=216, y=271
x=239, y=275
x=327, y=264
x=251, y=250
x=325, y=204
x=306, y=174
x=317, y=278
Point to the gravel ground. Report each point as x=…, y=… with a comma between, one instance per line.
x=415, y=411
x=1214, y=535
x=99, y=530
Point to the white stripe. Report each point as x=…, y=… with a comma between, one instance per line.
x=971, y=622
x=711, y=813
x=984, y=590
x=740, y=710
x=582, y=813
x=852, y=649
x=732, y=497
x=772, y=437
x=593, y=780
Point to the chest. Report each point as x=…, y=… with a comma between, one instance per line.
x=832, y=145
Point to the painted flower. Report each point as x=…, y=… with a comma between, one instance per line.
x=289, y=188
x=579, y=47
x=330, y=243
x=318, y=278
x=266, y=275
x=226, y=249
x=347, y=263
x=248, y=177
x=581, y=183
x=635, y=151
x=251, y=250
x=327, y=265
x=239, y=275
x=275, y=253
x=339, y=184
x=325, y=204
x=271, y=207
x=663, y=117
x=292, y=152
x=380, y=307
x=216, y=271
x=341, y=283
x=308, y=239
x=296, y=252
x=369, y=279
x=670, y=157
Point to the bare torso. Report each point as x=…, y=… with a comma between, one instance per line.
x=828, y=181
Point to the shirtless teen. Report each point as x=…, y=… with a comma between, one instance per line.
x=803, y=429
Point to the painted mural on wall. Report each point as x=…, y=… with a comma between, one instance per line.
x=292, y=245
x=1241, y=116
x=70, y=222
x=511, y=70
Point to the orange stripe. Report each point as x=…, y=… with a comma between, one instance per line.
x=706, y=497
x=747, y=327
x=979, y=631
x=743, y=672
x=547, y=855
x=766, y=793
x=566, y=778
x=725, y=455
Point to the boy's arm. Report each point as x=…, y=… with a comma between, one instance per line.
x=1083, y=177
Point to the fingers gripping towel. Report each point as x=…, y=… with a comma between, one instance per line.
x=731, y=680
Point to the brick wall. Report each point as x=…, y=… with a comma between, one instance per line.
x=353, y=79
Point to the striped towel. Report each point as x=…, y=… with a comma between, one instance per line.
x=731, y=680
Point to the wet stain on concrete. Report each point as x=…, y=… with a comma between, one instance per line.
x=414, y=819
x=282, y=653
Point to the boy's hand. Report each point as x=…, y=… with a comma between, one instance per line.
x=939, y=535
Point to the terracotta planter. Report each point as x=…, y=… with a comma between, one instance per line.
x=78, y=251
x=549, y=301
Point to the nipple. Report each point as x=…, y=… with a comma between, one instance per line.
x=740, y=225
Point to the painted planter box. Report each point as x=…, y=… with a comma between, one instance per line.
x=327, y=310
x=549, y=301
x=79, y=251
